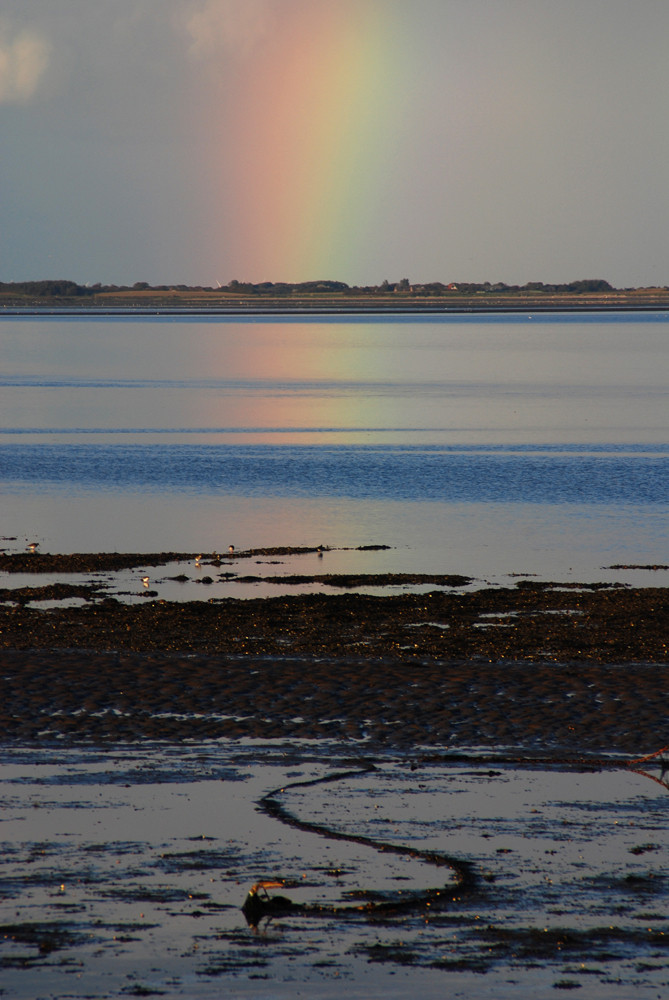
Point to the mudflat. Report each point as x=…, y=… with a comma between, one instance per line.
x=536, y=664
x=465, y=787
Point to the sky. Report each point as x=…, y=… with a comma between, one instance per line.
x=202, y=141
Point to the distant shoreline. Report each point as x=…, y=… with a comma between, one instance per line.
x=223, y=303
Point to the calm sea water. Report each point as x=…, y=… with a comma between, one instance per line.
x=486, y=445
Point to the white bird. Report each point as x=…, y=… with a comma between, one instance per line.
x=198, y=560
x=231, y=549
x=145, y=581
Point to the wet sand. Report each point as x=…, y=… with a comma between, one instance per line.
x=125, y=868
x=128, y=696
x=534, y=665
x=497, y=730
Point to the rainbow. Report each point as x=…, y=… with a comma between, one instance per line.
x=312, y=129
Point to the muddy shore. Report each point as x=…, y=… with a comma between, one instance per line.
x=536, y=664
x=124, y=724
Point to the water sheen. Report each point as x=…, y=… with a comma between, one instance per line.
x=471, y=444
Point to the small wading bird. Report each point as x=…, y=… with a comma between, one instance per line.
x=145, y=581
x=231, y=549
x=33, y=546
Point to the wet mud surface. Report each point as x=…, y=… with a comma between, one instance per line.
x=74, y=695
x=474, y=875
x=449, y=789
x=548, y=622
x=525, y=665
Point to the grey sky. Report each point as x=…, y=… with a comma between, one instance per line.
x=518, y=140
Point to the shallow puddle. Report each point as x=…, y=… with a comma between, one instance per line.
x=381, y=572
x=124, y=870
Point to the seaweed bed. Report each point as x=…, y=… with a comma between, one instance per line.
x=428, y=668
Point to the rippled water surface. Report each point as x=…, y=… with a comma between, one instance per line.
x=480, y=444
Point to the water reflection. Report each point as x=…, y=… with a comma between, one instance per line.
x=566, y=378
x=313, y=394
x=132, y=867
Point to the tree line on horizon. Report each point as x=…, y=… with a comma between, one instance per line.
x=62, y=288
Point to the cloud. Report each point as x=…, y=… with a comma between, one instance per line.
x=234, y=26
x=23, y=61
